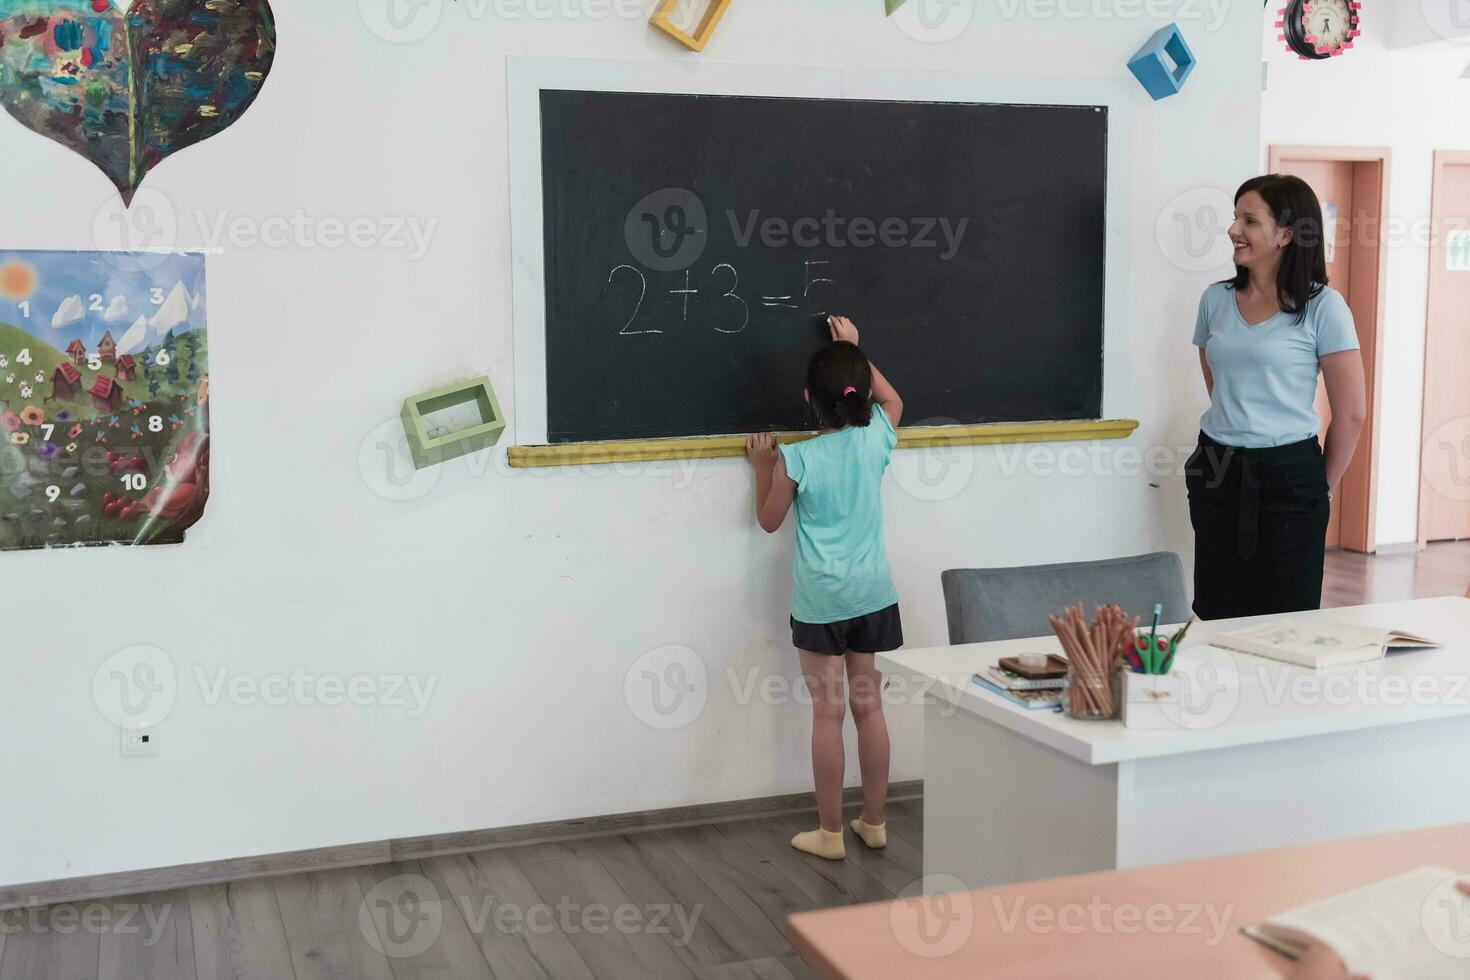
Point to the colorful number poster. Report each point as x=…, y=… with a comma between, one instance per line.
x=104, y=398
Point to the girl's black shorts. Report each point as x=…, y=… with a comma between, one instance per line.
x=876, y=632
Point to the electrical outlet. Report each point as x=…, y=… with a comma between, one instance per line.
x=139, y=741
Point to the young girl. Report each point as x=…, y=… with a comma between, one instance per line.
x=844, y=606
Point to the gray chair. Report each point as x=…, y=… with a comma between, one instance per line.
x=1009, y=603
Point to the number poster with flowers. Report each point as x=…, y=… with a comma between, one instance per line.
x=104, y=398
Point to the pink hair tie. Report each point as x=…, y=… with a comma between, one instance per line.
x=849, y=390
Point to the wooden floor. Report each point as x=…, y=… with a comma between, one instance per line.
x=699, y=903
x=704, y=902
x=1352, y=579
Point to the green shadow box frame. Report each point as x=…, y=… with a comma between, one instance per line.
x=427, y=451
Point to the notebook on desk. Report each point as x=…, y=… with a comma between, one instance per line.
x=1035, y=699
x=1318, y=645
x=1000, y=677
x=1414, y=926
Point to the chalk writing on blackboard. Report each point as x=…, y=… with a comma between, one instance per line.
x=733, y=314
x=642, y=292
x=730, y=294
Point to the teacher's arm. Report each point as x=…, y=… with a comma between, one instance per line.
x=1204, y=365
x=774, y=489
x=1321, y=963
x=1347, y=395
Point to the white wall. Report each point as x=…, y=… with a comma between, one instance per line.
x=1403, y=24
x=1413, y=101
x=527, y=596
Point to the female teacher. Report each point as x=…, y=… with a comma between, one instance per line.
x=1258, y=483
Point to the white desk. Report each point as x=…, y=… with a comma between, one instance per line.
x=1263, y=754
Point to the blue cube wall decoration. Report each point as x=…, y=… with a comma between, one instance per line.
x=1151, y=68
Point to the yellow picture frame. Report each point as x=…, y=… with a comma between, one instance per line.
x=663, y=20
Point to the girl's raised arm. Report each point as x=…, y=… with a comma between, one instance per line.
x=886, y=397
x=883, y=392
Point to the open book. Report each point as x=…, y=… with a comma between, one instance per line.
x=1413, y=926
x=1318, y=644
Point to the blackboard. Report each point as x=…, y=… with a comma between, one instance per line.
x=692, y=243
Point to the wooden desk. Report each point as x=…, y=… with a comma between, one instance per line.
x=1178, y=920
x=1263, y=754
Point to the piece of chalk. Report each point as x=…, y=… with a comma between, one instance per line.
x=1033, y=660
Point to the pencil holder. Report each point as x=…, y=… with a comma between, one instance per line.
x=1149, y=654
x=1094, y=686
x=1092, y=697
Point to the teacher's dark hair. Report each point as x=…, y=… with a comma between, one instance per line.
x=839, y=382
x=1303, y=271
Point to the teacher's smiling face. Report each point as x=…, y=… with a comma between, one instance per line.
x=1258, y=240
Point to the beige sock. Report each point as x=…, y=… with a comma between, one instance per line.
x=873, y=835
x=823, y=843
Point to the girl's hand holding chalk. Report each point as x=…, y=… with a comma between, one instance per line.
x=842, y=329
x=761, y=450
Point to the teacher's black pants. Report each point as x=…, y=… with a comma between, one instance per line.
x=1260, y=527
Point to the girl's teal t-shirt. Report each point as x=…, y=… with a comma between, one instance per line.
x=841, y=567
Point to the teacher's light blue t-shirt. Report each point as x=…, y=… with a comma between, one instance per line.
x=841, y=568
x=1266, y=375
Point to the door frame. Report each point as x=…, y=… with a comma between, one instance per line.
x=1360, y=511
x=1442, y=160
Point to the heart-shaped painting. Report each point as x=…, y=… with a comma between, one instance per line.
x=128, y=84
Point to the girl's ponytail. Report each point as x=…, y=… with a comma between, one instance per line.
x=855, y=406
x=839, y=384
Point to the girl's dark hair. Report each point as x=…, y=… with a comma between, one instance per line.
x=839, y=382
x=1303, y=271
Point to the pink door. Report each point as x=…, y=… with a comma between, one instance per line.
x=1332, y=180
x=1444, y=497
x=1350, y=183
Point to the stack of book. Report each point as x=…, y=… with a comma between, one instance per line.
x=1040, y=693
